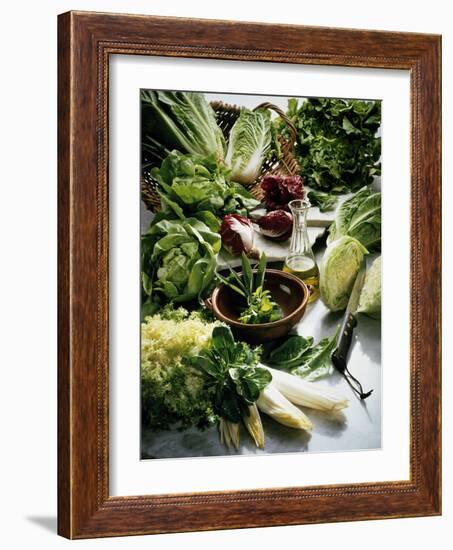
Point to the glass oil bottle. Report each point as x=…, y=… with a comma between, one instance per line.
x=300, y=260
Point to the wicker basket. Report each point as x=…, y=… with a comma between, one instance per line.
x=226, y=116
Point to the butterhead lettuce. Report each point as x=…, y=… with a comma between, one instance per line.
x=189, y=184
x=178, y=259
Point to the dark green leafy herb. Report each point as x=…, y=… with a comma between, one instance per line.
x=290, y=353
x=299, y=356
x=337, y=147
x=317, y=360
x=323, y=201
x=259, y=306
x=233, y=377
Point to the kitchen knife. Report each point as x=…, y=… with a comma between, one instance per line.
x=341, y=353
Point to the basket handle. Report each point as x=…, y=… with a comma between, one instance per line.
x=283, y=115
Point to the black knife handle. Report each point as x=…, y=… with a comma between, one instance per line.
x=340, y=355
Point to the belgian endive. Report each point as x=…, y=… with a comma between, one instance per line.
x=254, y=426
x=273, y=403
x=306, y=394
x=229, y=433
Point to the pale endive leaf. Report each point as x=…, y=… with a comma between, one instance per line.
x=273, y=403
x=229, y=433
x=255, y=426
x=307, y=394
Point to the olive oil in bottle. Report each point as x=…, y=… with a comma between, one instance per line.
x=300, y=260
x=306, y=269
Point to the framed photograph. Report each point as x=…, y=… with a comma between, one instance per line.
x=249, y=275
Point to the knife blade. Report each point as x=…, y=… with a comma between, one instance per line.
x=341, y=353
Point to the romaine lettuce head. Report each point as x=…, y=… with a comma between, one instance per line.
x=249, y=144
x=359, y=217
x=370, y=297
x=178, y=259
x=179, y=120
x=338, y=270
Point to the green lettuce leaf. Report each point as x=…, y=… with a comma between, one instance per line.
x=300, y=357
x=324, y=201
x=178, y=260
x=184, y=121
x=317, y=361
x=290, y=353
x=359, y=217
x=189, y=184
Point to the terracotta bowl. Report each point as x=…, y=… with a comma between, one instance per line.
x=289, y=292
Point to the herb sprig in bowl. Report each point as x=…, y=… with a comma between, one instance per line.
x=259, y=307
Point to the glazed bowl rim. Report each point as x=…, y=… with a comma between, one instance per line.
x=272, y=324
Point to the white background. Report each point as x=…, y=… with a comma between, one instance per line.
x=28, y=278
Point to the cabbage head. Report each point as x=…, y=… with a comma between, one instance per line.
x=370, y=297
x=178, y=260
x=338, y=270
x=249, y=145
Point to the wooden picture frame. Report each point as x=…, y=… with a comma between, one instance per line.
x=85, y=41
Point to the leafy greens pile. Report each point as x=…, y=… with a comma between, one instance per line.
x=355, y=232
x=337, y=147
x=193, y=372
x=233, y=377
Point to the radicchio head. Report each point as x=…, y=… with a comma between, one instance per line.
x=238, y=235
x=276, y=225
x=280, y=190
